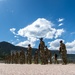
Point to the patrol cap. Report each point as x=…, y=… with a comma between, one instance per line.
x=61, y=41
x=28, y=44
x=41, y=38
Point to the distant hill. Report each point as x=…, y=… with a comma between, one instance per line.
x=6, y=48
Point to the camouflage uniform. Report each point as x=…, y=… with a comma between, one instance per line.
x=63, y=52
x=12, y=57
x=16, y=58
x=46, y=55
x=27, y=57
x=22, y=57
x=29, y=51
x=55, y=56
x=8, y=59
x=41, y=48
x=36, y=57
x=50, y=56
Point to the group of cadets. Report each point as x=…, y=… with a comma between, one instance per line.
x=42, y=55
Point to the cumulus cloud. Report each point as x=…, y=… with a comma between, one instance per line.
x=59, y=32
x=39, y=28
x=13, y=30
x=60, y=24
x=25, y=44
x=60, y=19
x=54, y=45
x=70, y=46
x=28, y=41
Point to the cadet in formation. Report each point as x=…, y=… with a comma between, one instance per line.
x=41, y=48
x=63, y=52
x=55, y=57
x=16, y=57
x=50, y=56
x=22, y=57
x=29, y=54
x=36, y=57
x=46, y=55
x=12, y=58
x=8, y=59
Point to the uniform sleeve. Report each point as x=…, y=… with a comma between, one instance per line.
x=44, y=43
x=63, y=46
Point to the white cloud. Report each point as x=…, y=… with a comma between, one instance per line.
x=59, y=32
x=54, y=45
x=70, y=46
x=13, y=42
x=25, y=44
x=28, y=41
x=60, y=24
x=13, y=30
x=60, y=19
x=39, y=28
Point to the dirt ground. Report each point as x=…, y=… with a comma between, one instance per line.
x=33, y=69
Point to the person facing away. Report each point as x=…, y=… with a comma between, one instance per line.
x=56, y=56
x=29, y=52
x=42, y=44
x=63, y=52
x=16, y=57
x=41, y=49
x=36, y=57
x=22, y=56
x=46, y=55
x=13, y=57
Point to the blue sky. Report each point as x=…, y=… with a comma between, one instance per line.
x=25, y=21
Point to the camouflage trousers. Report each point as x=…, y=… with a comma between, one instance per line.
x=46, y=59
x=22, y=59
x=29, y=59
x=64, y=57
x=36, y=60
x=42, y=58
